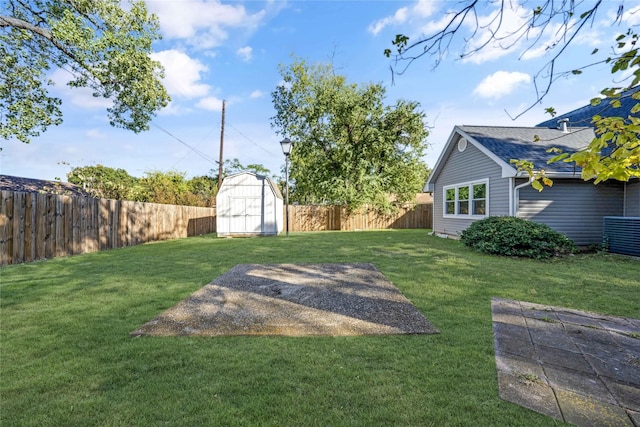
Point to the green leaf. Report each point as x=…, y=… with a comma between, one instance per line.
x=107, y=48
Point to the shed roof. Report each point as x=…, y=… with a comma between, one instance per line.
x=270, y=182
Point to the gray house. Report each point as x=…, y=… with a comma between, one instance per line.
x=473, y=178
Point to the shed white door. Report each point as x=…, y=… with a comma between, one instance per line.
x=246, y=214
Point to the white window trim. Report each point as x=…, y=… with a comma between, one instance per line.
x=469, y=184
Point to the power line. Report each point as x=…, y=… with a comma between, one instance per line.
x=194, y=149
x=253, y=142
x=204, y=138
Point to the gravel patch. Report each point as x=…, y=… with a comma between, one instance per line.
x=293, y=300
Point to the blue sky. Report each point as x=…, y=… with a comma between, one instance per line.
x=215, y=51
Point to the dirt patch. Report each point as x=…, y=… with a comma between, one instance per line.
x=294, y=300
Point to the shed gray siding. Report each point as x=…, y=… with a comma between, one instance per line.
x=573, y=207
x=470, y=165
x=632, y=197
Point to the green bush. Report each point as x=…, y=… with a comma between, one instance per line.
x=510, y=236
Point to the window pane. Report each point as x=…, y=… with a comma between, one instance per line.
x=480, y=191
x=463, y=193
x=463, y=208
x=451, y=194
x=479, y=207
x=451, y=208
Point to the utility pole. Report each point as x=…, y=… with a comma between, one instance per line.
x=221, y=144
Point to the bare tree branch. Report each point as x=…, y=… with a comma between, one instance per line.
x=534, y=27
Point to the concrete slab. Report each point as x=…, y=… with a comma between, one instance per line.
x=579, y=367
x=587, y=411
x=293, y=300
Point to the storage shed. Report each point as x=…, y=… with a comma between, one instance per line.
x=249, y=205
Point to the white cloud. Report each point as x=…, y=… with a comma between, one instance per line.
x=422, y=9
x=500, y=83
x=95, y=134
x=397, y=18
x=432, y=27
x=202, y=23
x=246, y=53
x=256, y=94
x=174, y=109
x=80, y=97
x=182, y=74
x=516, y=34
x=210, y=103
x=510, y=25
x=555, y=36
x=632, y=16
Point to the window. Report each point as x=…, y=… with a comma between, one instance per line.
x=469, y=199
x=479, y=199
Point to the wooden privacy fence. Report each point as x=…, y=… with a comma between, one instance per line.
x=40, y=226
x=324, y=218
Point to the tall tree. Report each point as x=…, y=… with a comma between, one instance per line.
x=615, y=152
x=105, y=182
x=349, y=147
x=104, y=47
x=231, y=166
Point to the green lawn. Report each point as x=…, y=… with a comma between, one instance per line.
x=67, y=359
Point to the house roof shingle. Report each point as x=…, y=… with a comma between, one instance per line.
x=530, y=143
x=30, y=185
x=583, y=115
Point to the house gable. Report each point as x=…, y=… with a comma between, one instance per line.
x=502, y=144
x=452, y=144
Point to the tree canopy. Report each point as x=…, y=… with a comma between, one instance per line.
x=615, y=152
x=169, y=187
x=103, y=46
x=232, y=166
x=349, y=147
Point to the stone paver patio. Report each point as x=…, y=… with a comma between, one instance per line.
x=579, y=367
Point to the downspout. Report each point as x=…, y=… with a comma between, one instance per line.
x=516, y=197
x=624, y=200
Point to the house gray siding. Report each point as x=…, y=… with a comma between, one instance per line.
x=470, y=165
x=573, y=207
x=632, y=197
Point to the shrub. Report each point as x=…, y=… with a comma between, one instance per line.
x=510, y=236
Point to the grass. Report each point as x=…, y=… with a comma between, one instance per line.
x=66, y=357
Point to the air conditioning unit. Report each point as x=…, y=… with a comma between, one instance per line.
x=621, y=235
